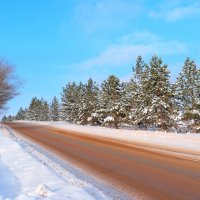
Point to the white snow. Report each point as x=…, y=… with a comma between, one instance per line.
x=189, y=141
x=24, y=177
x=109, y=119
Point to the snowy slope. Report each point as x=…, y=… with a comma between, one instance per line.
x=24, y=177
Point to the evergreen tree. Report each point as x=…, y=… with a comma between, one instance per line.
x=138, y=98
x=33, y=112
x=4, y=119
x=7, y=119
x=38, y=110
x=111, y=108
x=44, y=112
x=88, y=103
x=54, y=110
x=79, y=105
x=21, y=114
x=156, y=106
x=188, y=94
x=68, y=102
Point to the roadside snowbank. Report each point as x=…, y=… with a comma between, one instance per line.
x=188, y=140
x=24, y=177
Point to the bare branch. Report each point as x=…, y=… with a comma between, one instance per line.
x=9, y=83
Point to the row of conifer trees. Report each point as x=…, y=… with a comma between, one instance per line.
x=148, y=100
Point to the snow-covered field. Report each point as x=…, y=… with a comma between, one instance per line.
x=24, y=176
x=187, y=140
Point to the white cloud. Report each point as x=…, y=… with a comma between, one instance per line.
x=103, y=14
x=129, y=47
x=177, y=12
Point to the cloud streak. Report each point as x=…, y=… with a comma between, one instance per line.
x=130, y=46
x=177, y=13
x=101, y=15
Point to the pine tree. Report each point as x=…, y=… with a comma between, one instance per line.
x=21, y=114
x=33, y=113
x=126, y=103
x=138, y=98
x=161, y=108
x=54, y=110
x=38, y=110
x=44, y=112
x=88, y=103
x=68, y=102
x=4, y=119
x=188, y=94
x=155, y=105
x=111, y=108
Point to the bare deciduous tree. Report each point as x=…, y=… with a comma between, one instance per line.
x=9, y=83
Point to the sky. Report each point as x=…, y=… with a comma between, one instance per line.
x=52, y=42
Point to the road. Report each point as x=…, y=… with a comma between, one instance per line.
x=154, y=174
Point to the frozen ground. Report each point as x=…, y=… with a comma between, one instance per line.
x=24, y=177
x=189, y=141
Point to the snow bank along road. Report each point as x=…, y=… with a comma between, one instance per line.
x=158, y=175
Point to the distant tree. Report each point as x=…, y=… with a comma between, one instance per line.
x=4, y=119
x=33, y=110
x=38, y=110
x=54, y=110
x=8, y=118
x=9, y=83
x=21, y=114
x=44, y=114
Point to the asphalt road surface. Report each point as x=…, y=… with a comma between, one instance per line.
x=157, y=175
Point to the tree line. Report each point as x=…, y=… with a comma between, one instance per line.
x=148, y=100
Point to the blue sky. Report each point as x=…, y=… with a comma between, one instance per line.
x=51, y=42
